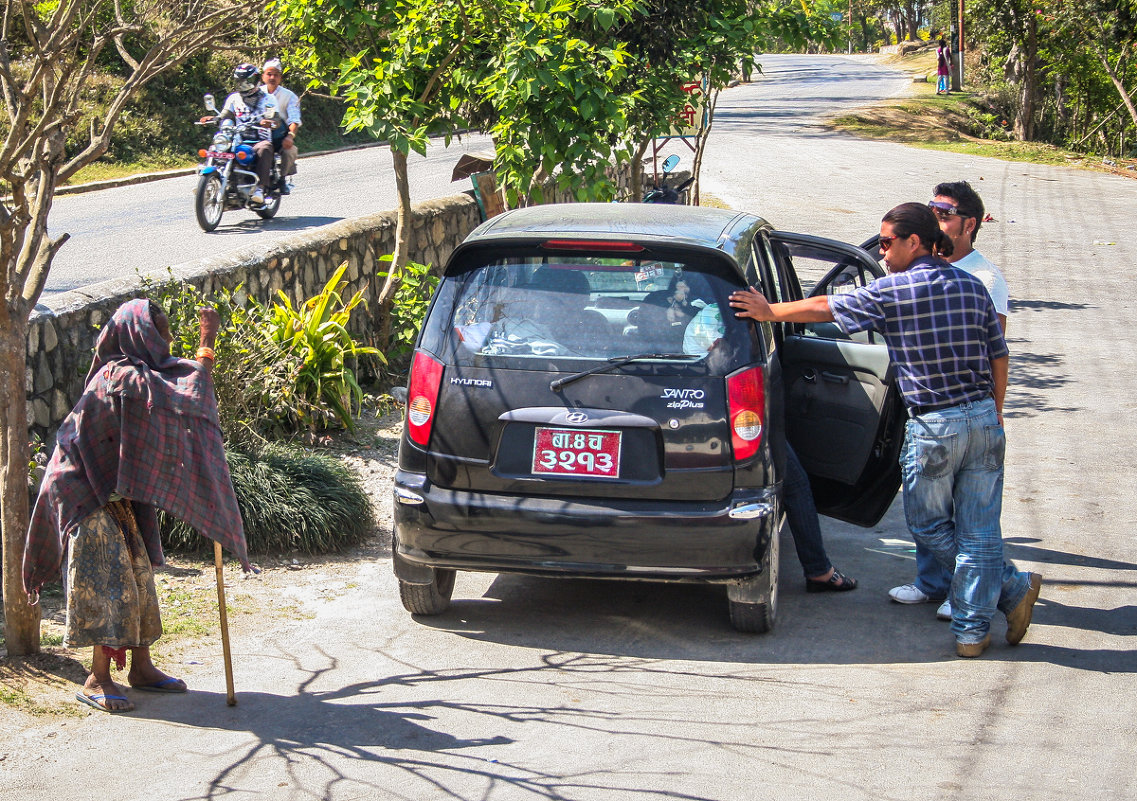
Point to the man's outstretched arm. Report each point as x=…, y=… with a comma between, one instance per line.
x=751, y=303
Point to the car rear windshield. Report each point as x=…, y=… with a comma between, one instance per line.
x=592, y=308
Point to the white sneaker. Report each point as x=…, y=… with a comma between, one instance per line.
x=909, y=594
x=258, y=196
x=944, y=612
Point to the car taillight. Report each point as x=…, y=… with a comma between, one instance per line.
x=422, y=397
x=746, y=397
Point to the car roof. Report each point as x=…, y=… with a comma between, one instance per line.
x=698, y=226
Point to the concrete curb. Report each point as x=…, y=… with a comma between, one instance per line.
x=147, y=177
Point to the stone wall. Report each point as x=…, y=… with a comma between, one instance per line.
x=63, y=328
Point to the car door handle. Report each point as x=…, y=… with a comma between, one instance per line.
x=835, y=378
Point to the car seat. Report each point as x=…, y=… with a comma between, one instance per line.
x=563, y=295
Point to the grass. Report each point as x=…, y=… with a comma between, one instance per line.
x=956, y=123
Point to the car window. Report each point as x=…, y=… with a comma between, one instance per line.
x=843, y=273
x=589, y=307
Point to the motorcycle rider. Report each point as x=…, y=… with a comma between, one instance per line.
x=283, y=138
x=250, y=103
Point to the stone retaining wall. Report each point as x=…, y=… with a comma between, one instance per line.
x=63, y=328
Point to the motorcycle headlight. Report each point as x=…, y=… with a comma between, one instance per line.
x=221, y=142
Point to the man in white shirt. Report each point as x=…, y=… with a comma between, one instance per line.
x=289, y=105
x=960, y=212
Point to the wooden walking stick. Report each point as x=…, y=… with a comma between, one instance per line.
x=230, y=696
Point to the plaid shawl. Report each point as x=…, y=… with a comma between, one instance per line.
x=146, y=427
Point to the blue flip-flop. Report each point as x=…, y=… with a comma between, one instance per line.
x=162, y=686
x=93, y=702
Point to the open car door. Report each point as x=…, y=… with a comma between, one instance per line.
x=844, y=415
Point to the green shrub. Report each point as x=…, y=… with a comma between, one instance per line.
x=290, y=500
x=255, y=380
x=316, y=334
x=408, y=308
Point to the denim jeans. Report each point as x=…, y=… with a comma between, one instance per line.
x=932, y=578
x=952, y=464
x=801, y=514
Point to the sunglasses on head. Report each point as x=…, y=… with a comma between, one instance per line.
x=944, y=210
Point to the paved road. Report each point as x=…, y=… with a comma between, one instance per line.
x=118, y=232
x=538, y=689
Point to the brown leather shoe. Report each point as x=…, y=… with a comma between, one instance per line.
x=1018, y=619
x=969, y=650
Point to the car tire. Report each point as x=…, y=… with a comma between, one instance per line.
x=428, y=599
x=757, y=617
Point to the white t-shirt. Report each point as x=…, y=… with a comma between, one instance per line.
x=977, y=264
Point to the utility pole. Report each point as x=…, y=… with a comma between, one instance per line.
x=957, y=73
x=850, y=27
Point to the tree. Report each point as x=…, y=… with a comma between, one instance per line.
x=406, y=68
x=48, y=55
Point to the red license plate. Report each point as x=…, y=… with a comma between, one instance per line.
x=219, y=155
x=573, y=452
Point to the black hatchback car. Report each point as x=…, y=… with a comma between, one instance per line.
x=583, y=402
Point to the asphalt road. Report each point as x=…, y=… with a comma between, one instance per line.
x=151, y=226
x=541, y=689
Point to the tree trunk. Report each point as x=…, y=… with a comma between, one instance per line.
x=1116, y=80
x=636, y=187
x=21, y=620
x=402, y=247
x=1021, y=72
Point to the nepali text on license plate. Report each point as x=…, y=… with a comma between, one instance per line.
x=217, y=154
x=572, y=452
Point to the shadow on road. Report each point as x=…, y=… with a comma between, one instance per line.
x=316, y=736
x=255, y=225
x=646, y=620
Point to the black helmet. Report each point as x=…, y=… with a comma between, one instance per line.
x=247, y=80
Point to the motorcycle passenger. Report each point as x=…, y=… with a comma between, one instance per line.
x=284, y=136
x=249, y=104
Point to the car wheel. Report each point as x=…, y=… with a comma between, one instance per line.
x=428, y=599
x=754, y=603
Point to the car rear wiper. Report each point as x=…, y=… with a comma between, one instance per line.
x=619, y=361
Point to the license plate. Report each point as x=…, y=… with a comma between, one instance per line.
x=216, y=154
x=573, y=452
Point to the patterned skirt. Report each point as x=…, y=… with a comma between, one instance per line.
x=111, y=599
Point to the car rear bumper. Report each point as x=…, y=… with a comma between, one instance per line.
x=651, y=540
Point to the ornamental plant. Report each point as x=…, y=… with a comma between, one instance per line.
x=315, y=336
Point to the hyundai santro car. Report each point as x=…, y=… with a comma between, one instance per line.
x=583, y=402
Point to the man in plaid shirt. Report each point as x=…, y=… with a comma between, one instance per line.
x=944, y=337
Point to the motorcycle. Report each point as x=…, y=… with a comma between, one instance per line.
x=227, y=179
x=661, y=192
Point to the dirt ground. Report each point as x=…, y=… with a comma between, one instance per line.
x=288, y=589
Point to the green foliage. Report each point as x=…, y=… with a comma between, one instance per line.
x=315, y=335
x=408, y=309
x=290, y=500
x=278, y=370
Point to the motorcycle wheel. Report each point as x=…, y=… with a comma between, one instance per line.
x=208, y=202
x=270, y=208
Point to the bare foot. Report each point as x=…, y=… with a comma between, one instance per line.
x=106, y=694
x=144, y=675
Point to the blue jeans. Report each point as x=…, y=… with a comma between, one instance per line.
x=932, y=578
x=952, y=464
x=801, y=514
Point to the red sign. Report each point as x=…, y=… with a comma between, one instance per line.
x=576, y=452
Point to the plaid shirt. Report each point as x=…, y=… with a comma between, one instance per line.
x=940, y=328
x=146, y=427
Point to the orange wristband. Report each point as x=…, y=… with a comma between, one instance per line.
x=205, y=353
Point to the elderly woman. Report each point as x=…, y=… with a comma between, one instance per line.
x=144, y=436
